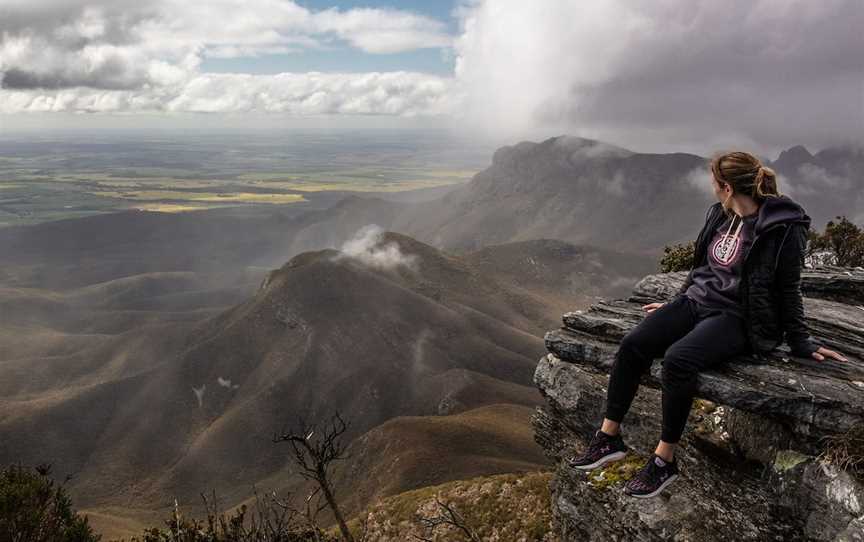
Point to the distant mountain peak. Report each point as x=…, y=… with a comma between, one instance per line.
x=794, y=155
x=571, y=146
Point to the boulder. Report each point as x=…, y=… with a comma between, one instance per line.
x=810, y=397
x=750, y=456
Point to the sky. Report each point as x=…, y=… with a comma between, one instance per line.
x=659, y=76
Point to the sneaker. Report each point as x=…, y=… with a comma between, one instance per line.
x=653, y=478
x=602, y=449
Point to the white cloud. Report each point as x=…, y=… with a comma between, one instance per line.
x=650, y=76
x=383, y=30
x=366, y=247
x=147, y=56
x=700, y=178
x=389, y=93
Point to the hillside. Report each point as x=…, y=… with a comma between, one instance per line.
x=326, y=331
x=588, y=192
x=581, y=191
x=153, y=355
x=512, y=507
x=562, y=274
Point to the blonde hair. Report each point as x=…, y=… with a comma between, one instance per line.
x=745, y=174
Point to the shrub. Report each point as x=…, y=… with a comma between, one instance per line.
x=677, y=257
x=35, y=509
x=269, y=520
x=842, y=239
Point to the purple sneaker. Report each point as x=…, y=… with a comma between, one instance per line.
x=602, y=449
x=652, y=478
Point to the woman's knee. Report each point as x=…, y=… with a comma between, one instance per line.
x=631, y=353
x=678, y=376
x=632, y=342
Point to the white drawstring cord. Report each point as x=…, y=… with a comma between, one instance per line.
x=728, y=241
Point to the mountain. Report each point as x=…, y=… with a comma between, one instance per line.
x=828, y=183
x=152, y=355
x=581, y=191
x=588, y=192
x=396, y=329
x=61, y=341
x=412, y=452
x=568, y=188
x=564, y=275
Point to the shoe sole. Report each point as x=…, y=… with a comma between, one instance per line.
x=615, y=456
x=656, y=491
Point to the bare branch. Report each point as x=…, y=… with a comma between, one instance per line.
x=447, y=515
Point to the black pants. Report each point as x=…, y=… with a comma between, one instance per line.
x=690, y=338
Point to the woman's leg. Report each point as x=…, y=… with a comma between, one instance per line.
x=715, y=339
x=638, y=349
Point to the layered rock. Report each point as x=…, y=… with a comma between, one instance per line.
x=749, y=457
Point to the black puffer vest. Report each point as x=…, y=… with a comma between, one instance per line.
x=770, y=278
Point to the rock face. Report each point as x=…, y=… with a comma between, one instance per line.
x=751, y=456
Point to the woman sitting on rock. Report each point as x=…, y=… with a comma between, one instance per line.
x=742, y=296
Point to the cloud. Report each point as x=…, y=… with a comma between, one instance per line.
x=672, y=74
x=366, y=247
x=383, y=30
x=700, y=178
x=584, y=149
x=123, y=56
x=303, y=94
x=649, y=76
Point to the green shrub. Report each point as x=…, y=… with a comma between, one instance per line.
x=35, y=509
x=677, y=257
x=843, y=239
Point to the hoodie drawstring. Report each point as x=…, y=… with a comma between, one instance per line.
x=731, y=242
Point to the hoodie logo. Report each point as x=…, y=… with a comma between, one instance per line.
x=725, y=248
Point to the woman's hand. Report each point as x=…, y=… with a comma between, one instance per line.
x=650, y=307
x=822, y=352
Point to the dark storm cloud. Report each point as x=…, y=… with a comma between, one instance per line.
x=765, y=72
x=111, y=74
x=55, y=45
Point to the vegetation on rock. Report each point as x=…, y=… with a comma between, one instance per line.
x=842, y=239
x=34, y=508
x=512, y=507
x=677, y=257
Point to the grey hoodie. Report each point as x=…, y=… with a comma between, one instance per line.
x=716, y=280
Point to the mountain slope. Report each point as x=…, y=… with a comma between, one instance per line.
x=325, y=331
x=587, y=192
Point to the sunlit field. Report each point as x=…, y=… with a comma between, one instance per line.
x=45, y=178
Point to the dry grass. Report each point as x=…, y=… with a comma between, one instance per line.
x=846, y=451
x=512, y=507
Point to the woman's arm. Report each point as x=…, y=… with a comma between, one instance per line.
x=788, y=283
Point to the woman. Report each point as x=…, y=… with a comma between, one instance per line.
x=742, y=296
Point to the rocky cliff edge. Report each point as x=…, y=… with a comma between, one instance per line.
x=762, y=457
